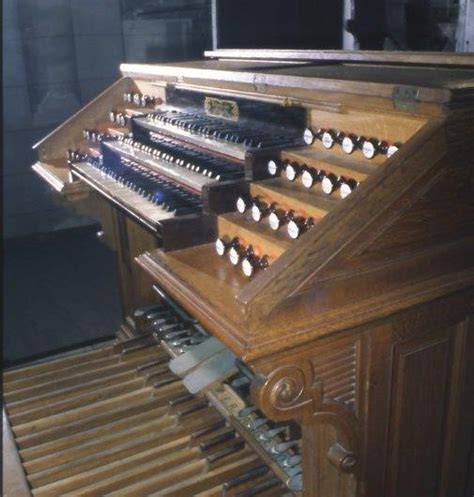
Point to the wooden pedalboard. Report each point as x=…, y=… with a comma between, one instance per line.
x=116, y=421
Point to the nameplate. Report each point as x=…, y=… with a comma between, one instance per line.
x=225, y=109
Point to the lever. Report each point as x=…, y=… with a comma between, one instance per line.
x=249, y=475
x=266, y=436
x=246, y=411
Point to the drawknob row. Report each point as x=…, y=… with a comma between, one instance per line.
x=310, y=176
x=118, y=118
x=94, y=136
x=242, y=255
x=138, y=99
x=275, y=215
x=370, y=147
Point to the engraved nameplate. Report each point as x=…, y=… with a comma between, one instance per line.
x=225, y=109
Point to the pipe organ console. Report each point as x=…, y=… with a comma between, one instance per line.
x=294, y=233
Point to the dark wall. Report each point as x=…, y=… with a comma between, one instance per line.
x=282, y=24
x=58, y=55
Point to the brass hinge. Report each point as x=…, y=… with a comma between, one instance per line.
x=405, y=97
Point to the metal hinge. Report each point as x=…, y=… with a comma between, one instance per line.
x=405, y=97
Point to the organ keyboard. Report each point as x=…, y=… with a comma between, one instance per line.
x=145, y=205
x=213, y=134
x=294, y=232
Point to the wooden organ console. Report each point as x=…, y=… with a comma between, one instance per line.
x=294, y=233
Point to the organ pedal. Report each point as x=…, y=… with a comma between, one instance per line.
x=130, y=417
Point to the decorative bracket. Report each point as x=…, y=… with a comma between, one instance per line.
x=291, y=392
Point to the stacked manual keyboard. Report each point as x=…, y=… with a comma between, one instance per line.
x=156, y=161
x=232, y=138
x=146, y=194
x=191, y=167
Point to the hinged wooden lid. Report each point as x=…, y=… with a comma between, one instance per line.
x=361, y=56
x=427, y=76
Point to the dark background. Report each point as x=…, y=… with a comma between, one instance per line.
x=288, y=24
x=58, y=55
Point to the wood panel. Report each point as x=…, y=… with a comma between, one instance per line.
x=457, y=467
x=322, y=478
x=418, y=421
x=419, y=391
x=135, y=287
x=138, y=241
x=442, y=212
x=424, y=403
x=103, y=212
